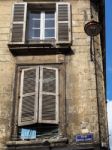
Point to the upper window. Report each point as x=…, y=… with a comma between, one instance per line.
x=41, y=22
x=41, y=25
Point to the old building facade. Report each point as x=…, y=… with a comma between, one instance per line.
x=52, y=78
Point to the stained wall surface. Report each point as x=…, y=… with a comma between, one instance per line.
x=81, y=94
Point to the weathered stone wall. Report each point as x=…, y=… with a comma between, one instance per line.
x=81, y=88
x=80, y=96
x=7, y=70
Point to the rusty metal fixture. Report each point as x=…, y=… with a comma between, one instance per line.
x=92, y=28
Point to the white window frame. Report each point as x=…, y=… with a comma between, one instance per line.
x=42, y=27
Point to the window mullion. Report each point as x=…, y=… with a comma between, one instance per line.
x=55, y=27
x=42, y=27
x=37, y=94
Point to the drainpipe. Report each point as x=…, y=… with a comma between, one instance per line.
x=97, y=93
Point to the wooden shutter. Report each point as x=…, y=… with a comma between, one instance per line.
x=28, y=106
x=48, y=96
x=19, y=23
x=63, y=21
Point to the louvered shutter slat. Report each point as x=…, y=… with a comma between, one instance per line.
x=19, y=23
x=48, y=96
x=17, y=32
x=28, y=108
x=18, y=12
x=28, y=96
x=48, y=107
x=63, y=23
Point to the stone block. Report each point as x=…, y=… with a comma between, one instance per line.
x=4, y=44
x=4, y=30
x=5, y=9
x=81, y=36
x=4, y=37
x=4, y=50
x=78, y=17
x=79, y=29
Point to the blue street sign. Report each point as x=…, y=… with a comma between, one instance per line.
x=84, y=138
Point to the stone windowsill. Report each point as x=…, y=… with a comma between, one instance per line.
x=51, y=141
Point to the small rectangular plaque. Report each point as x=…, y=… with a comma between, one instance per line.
x=84, y=138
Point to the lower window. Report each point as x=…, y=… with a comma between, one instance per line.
x=38, y=112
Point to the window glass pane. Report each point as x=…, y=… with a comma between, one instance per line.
x=29, y=35
x=49, y=23
x=49, y=15
x=49, y=33
x=35, y=16
x=36, y=23
x=36, y=33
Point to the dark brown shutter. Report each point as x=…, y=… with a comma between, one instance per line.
x=28, y=105
x=48, y=95
x=63, y=13
x=19, y=23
